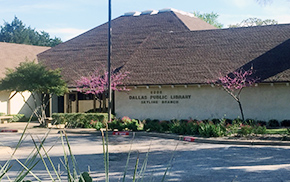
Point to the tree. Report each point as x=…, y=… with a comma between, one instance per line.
x=210, y=18
x=38, y=80
x=16, y=32
x=233, y=84
x=97, y=83
x=254, y=22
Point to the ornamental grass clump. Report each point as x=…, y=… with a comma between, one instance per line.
x=211, y=130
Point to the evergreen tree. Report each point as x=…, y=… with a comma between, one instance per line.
x=16, y=32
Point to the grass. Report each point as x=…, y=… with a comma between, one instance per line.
x=280, y=131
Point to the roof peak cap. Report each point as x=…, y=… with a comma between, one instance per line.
x=154, y=12
x=176, y=11
x=149, y=12
x=132, y=13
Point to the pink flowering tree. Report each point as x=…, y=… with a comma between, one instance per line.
x=234, y=83
x=97, y=83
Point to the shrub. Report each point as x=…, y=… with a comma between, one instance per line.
x=124, y=124
x=246, y=130
x=232, y=128
x=152, y=125
x=183, y=121
x=205, y=121
x=273, y=123
x=165, y=125
x=78, y=120
x=216, y=121
x=192, y=128
x=132, y=125
x=237, y=121
x=261, y=123
x=226, y=121
x=250, y=122
x=178, y=127
x=126, y=119
x=260, y=130
x=116, y=124
x=285, y=123
x=97, y=125
x=17, y=117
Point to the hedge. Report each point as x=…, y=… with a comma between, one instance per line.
x=79, y=120
x=17, y=117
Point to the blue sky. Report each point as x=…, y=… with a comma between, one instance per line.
x=69, y=18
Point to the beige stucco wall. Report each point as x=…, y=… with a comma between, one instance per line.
x=84, y=105
x=17, y=105
x=262, y=102
x=4, y=95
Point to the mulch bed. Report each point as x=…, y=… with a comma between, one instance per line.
x=262, y=137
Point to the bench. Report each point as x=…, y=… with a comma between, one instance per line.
x=3, y=119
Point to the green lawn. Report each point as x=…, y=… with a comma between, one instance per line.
x=277, y=131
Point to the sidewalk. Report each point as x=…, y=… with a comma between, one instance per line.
x=34, y=129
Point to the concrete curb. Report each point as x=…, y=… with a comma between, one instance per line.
x=5, y=150
x=12, y=129
x=191, y=138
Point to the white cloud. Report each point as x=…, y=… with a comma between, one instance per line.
x=64, y=33
x=35, y=7
x=242, y=3
x=277, y=10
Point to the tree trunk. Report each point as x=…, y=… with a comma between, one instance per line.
x=104, y=102
x=241, y=109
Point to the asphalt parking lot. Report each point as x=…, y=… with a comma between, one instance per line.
x=191, y=161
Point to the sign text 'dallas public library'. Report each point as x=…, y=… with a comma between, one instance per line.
x=157, y=97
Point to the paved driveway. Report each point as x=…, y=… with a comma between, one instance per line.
x=191, y=162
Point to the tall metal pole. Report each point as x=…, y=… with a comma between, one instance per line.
x=109, y=63
x=109, y=91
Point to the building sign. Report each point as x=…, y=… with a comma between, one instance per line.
x=158, y=97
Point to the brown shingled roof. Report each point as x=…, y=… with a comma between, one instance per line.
x=164, y=49
x=12, y=54
x=84, y=53
x=200, y=56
